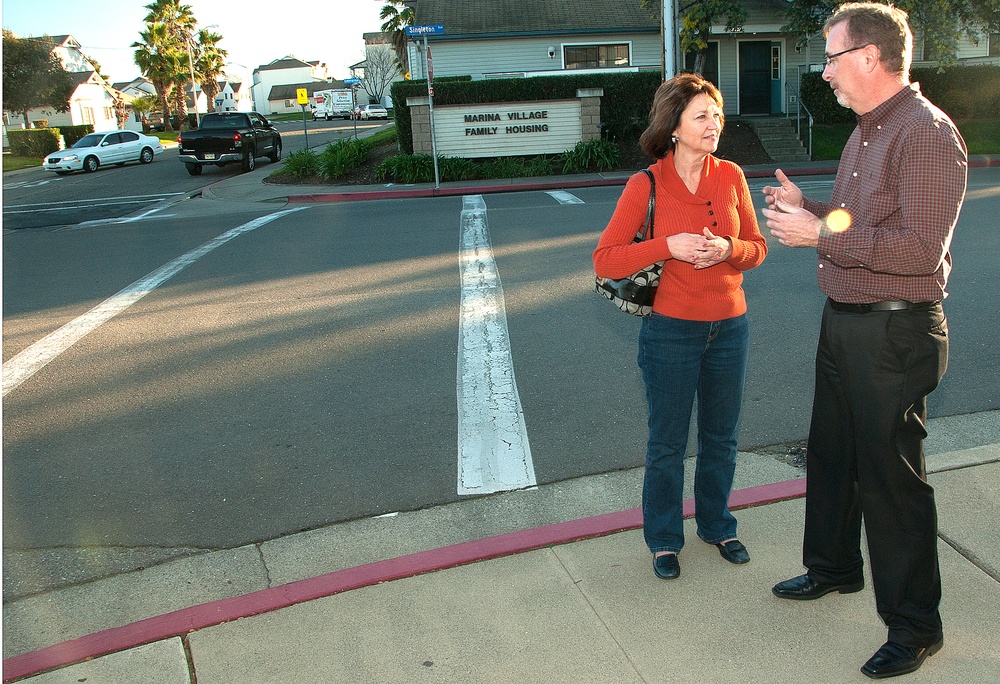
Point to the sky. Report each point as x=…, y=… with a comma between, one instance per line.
x=257, y=33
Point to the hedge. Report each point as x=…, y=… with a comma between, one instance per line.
x=34, y=142
x=71, y=134
x=963, y=92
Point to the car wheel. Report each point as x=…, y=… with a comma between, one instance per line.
x=146, y=155
x=90, y=164
x=194, y=169
x=275, y=155
x=249, y=162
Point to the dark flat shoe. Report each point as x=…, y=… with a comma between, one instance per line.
x=805, y=588
x=734, y=552
x=895, y=659
x=666, y=566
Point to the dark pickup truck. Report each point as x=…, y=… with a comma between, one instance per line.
x=228, y=138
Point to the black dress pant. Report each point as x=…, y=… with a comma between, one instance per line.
x=865, y=460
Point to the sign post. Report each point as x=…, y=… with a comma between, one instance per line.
x=353, y=83
x=302, y=97
x=433, y=30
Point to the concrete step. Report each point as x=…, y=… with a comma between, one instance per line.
x=779, y=139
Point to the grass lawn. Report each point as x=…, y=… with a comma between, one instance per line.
x=16, y=163
x=164, y=136
x=982, y=136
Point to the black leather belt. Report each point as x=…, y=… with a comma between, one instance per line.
x=891, y=305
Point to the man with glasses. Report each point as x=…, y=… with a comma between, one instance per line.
x=883, y=243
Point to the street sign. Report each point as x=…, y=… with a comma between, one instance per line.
x=302, y=96
x=352, y=81
x=433, y=30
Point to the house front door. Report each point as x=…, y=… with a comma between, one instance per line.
x=755, y=77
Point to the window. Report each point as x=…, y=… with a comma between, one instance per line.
x=596, y=56
x=88, y=115
x=129, y=136
x=775, y=63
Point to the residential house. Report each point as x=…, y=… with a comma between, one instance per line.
x=233, y=96
x=757, y=68
x=93, y=98
x=137, y=87
x=282, y=72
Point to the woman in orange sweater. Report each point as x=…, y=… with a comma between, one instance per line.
x=696, y=342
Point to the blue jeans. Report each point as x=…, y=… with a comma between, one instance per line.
x=682, y=360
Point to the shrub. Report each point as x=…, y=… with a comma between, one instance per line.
x=33, y=142
x=301, y=164
x=597, y=155
x=457, y=169
x=71, y=134
x=339, y=158
x=962, y=92
x=542, y=165
x=503, y=167
x=407, y=168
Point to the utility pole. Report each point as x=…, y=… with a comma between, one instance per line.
x=668, y=16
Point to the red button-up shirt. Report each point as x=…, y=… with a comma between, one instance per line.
x=901, y=180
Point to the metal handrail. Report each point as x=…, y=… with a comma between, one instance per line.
x=799, y=106
x=809, y=114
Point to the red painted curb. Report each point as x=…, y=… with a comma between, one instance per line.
x=181, y=622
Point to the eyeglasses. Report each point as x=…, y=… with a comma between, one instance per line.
x=835, y=55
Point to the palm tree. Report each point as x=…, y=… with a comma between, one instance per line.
x=208, y=64
x=395, y=22
x=179, y=23
x=159, y=61
x=143, y=105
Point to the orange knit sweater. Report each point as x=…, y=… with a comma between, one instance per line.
x=722, y=204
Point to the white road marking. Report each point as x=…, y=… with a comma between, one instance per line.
x=84, y=203
x=563, y=197
x=77, y=207
x=111, y=221
x=493, y=450
x=22, y=366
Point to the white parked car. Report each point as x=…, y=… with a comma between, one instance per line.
x=372, y=111
x=99, y=149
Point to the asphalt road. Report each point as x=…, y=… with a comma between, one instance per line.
x=302, y=371
x=42, y=199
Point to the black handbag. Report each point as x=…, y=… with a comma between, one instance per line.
x=634, y=295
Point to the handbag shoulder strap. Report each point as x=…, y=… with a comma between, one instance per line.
x=651, y=211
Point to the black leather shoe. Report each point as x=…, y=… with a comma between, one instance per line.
x=804, y=588
x=666, y=566
x=734, y=552
x=895, y=659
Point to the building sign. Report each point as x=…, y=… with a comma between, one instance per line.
x=507, y=129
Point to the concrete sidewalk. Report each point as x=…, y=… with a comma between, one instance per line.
x=567, y=601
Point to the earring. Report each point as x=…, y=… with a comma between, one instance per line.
x=673, y=139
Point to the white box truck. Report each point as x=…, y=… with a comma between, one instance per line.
x=329, y=104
